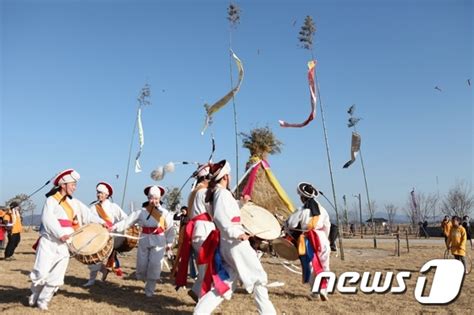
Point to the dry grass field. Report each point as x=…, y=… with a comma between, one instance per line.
x=126, y=295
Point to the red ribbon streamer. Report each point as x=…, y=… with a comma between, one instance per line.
x=316, y=262
x=182, y=272
x=311, y=66
x=206, y=256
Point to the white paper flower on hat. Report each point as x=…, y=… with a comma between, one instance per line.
x=169, y=167
x=158, y=174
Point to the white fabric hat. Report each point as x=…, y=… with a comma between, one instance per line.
x=105, y=188
x=203, y=170
x=154, y=191
x=67, y=176
x=220, y=169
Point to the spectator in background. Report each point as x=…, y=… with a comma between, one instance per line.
x=457, y=241
x=14, y=228
x=425, y=226
x=446, y=228
x=466, y=224
x=2, y=229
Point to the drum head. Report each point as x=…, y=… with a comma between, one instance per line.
x=260, y=222
x=89, y=239
x=285, y=249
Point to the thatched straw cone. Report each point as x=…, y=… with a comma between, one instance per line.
x=264, y=194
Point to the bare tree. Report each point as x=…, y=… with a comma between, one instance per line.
x=391, y=210
x=172, y=198
x=27, y=206
x=421, y=207
x=459, y=200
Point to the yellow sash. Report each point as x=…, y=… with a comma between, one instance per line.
x=68, y=209
x=102, y=213
x=301, y=240
x=157, y=216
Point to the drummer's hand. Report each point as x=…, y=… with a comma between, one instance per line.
x=64, y=238
x=244, y=199
x=108, y=226
x=243, y=237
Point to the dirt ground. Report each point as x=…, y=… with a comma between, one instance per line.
x=126, y=295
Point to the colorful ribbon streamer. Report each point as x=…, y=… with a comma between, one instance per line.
x=313, y=99
x=355, y=147
x=141, y=140
x=211, y=110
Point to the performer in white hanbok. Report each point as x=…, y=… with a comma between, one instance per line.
x=196, y=231
x=227, y=251
x=313, y=244
x=111, y=213
x=62, y=215
x=156, y=238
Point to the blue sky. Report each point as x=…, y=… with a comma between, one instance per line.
x=72, y=70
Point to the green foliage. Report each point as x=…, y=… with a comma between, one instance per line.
x=261, y=141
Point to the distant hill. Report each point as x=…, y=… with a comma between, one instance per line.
x=34, y=220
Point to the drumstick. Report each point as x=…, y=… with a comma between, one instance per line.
x=255, y=234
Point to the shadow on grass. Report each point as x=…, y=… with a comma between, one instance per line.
x=11, y=294
x=127, y=296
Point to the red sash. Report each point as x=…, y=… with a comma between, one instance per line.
x=152, y=230
x=182, y=273
x=62, y=222
x=206, y=256
x=317, y=266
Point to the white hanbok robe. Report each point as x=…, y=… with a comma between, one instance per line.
x=201, y=231
x=303, y=217
x=151, y=247
x=115, y=214
x=52, y=255
x=240, y=259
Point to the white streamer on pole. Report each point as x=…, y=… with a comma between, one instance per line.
x=141, y=140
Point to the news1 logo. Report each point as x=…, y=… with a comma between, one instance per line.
x=445, y=287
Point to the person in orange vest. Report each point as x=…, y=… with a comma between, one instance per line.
x=62, y=215
x=14, y=228
x=446, y=228
x=457, y=241
x=2, y=229
x=111, y=213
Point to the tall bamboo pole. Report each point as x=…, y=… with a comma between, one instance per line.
x=232, y=23
x=367, y=192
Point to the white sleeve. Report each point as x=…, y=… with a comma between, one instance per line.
x=127, y=222
x=225, y=208
x=87, y=215
x=294, y=219
x=305, y=218
x=119, y=213
x=50, y=221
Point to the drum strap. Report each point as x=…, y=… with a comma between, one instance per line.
x=67, y=208
x=103, y=214
x=301, y=240
x=157, y=216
